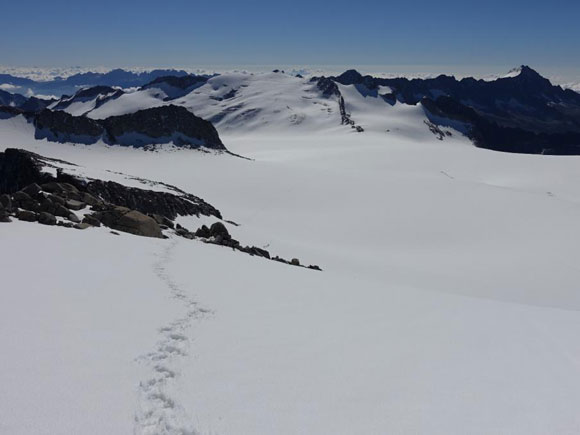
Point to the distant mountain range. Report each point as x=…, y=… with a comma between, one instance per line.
x=69, y=85
x=521, y=112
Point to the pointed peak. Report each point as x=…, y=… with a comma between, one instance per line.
x=350, y=77
x=523, y=71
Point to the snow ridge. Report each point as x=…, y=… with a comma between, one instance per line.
x=159, y=413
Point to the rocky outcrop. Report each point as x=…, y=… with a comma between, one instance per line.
x=36, y=196
x=146, y=127
x=59, y=126
x=180, y=82
x=160, y=124
x=19, y=169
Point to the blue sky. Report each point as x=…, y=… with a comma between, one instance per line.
x=190, y=33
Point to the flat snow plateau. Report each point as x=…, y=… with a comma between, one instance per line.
x=449, y=301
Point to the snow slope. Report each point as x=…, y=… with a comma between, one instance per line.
x=448, y=302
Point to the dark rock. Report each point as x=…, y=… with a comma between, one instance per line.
x=203, y=232
x=219, y=229
x=61, y=210
x=56, y=199
x=46, y=218
x=6, y=201
x=18, y=169
x=314, y=267
x=295, y=262
x=32, y=189
x=46, y=205
x=151, y=202
x=259, y=252
x=20, y=197
x=91, y=220
x=65, y=224
x=26, y=215
x=158, y=124
x=24, y=201
x=5, y=217
x=52, y=187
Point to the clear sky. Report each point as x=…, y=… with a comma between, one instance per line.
x=190, y=32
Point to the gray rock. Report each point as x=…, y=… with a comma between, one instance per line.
x=91, y=220
x=73, y=204
x=46, y=219
x=162, y=220
x=295, y=262
x=90, y=199
x=26, y=215
x=135, y=222
x=73, y=218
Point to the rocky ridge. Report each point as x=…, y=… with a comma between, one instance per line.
x=30, y=194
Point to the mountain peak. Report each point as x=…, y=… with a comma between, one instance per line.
x=350, y=77
x=523, y=71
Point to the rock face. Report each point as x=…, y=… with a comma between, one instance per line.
x=158, y=124
x=181, y=82
x=145, y=127
x=59, y=126
x=18, y=169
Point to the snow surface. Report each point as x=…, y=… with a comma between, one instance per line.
x=448, y=303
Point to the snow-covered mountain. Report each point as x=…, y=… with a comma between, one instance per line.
x=448, y=296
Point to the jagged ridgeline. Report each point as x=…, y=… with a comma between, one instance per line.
x=522, y=112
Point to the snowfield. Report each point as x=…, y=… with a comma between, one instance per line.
x=448, y=303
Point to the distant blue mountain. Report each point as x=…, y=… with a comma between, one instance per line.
x=69, y=85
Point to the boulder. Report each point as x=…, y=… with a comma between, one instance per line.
x=46, y=205
x=90, y=199
x=52, y=187
x=61, y=210
x=82, y=226
x=73, y=204
x=91, y=220
x=295, y=262
x=56, y=199
x=6, y=201
x=73, y=217
x=203, y=232
x=46, y=218
x=27, y=216
x=219, y=229
x=135, y=222
x=32, y=189
x=21, y=196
